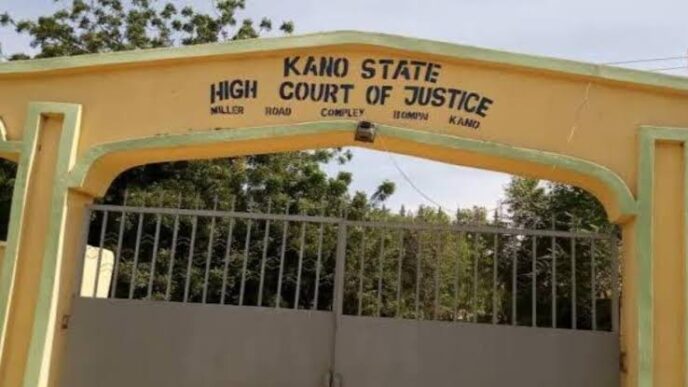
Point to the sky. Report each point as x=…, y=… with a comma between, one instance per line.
x=599, y=31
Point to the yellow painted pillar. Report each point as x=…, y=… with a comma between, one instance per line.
x=668, y=253
x=629, y=316
x=31, y=245
x=661, y=262
x=41, y=233
x=71, y=261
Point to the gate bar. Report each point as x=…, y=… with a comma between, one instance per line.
x=209, y=255
x=332, y=377
x=340, y=267
x=475, y=228
x=361, y=262
x=103, y=228
x=554, y=274
x=318, y=262
x=217, y=213
x=495, y=261
x=457, y=272
x=155, y=255
x=418, y=275
x=379, y=272
x=533, y=283
x=574, y=319
x=228, y=249
x=514, y=289
x=266, y=238
x=249, y=224
x=118, y=253
x=399, y=263
x=302, y=242
x=134, y=267
x=435, y=312
x=476, y=258
x=593, y=295
x=285, y=229
x=192, y=245
x=173, y=253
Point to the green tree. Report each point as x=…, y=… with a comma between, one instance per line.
x=96, y=26
x=533, y=204
x=8, y=170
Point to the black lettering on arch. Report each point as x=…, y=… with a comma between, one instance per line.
x=290, y=65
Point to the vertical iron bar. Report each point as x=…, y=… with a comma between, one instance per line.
x=476, y=257
x=615, y=283
x=173, y=253
x=399, y=263
x=338, y=291
x=574, y=318
x=436, y=306
x=247, y=245
x=134, y=267
x=593, y=287
x=361, y=262
x=302, y=242
x=495, y=261
x=118, y=255
x=228, y=250
x=318, y=261
x=554, y=275
x=154, y=258
x=283, y=251
x=418, y=274
x=339, y=271
x=264, y=258
x=192, y=244
x=514, y=289
x=379, y=272
x=533, y=284
x=103, y=228
x=457, y=273
x=209, y=254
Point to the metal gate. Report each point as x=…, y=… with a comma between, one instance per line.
x=176, y=297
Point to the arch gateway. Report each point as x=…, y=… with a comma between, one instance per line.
x=73, y=124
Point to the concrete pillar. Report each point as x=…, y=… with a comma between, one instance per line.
x=33, y=278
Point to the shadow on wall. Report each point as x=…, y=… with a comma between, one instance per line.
x=100, y=261
x=91, y=266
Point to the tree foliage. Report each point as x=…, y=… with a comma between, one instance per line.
x=532, y=203
x=88, y=27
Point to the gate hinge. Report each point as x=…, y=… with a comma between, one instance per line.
x=622, y=362
x=65, y=321
x=332, y=379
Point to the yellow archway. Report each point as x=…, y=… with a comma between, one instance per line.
x=577, y=123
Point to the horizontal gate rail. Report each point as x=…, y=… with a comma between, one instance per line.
x=565, y=279
x=331, y=220
x=477, y=229
x=216, y=213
